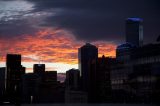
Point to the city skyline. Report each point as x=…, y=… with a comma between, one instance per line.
x=80, y=51
x=51, y=31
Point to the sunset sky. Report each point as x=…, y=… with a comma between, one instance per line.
x=51, y=31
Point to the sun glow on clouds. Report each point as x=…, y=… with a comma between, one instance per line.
x=56, y=48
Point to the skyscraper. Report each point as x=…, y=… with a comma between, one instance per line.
x=14, y=73
x=72, y=78
x=40, y=70
x=13, y=67
x=88, y=56
x=2, y=83
x=103, y=85
x=134, y=31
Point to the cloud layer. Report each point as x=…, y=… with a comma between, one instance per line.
x=52, y=30
x=86, y=20
x=50, y=46
x=101, y=19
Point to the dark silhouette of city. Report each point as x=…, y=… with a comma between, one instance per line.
x=133, y=76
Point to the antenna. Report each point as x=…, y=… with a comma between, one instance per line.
x=39, y=59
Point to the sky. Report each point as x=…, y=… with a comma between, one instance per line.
x=51, y=31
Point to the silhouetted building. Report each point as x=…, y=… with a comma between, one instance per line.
x=51, y=76
x=48, y=90
x=73, y=93
x=135, y=74
x=134, y=31
x=30, y=87
x=73, y=79
x=123, y=51
x=120, y=71
x=87, y=57
x=145, y=78
x=13, y=81
x=39, y=69
x=51, y=90
x=2, y=83
x=103, y=82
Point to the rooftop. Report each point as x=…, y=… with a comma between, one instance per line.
x=125, y=46
x=135, y=19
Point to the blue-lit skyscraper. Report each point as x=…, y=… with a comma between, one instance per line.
x=134, y=31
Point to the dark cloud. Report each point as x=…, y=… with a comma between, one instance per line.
x=92, y=20
x=16, y=28
x=14, y=21
x=102, y=19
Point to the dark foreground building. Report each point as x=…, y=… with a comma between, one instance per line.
x=48, y=90
x=135, y=74
x=103, y=83
x=14, y=78
x=73, y=91
x=2, y=83
x=87, y=58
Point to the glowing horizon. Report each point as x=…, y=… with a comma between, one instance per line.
x=56, y=48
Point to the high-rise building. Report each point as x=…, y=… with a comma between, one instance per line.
x=134, y=31
x=73, y=93
x=88, y=56
x=103, y=83
x=2, y=83
x=13, y=68
x=135, y=73
x=39, y=69
x=73, y=78
x=14, y=75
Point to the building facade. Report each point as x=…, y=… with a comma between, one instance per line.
x=14, y=77
x=73, y=79
x=87, y=58
x=2, y=83
x=136, y=78
x=134, y=31
x=39, y=69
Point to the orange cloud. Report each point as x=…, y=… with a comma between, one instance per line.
x=50, y=45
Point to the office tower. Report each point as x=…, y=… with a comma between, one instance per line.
x=135, y=74
x=123, y=51
x=2, y=83
x=134, y=31
x=103, y=79
x=23, y=69
x=13, y=70
x=88, y=56
x=73, y=79
x=14, y=73
x=73, y=93
x=39, y=69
